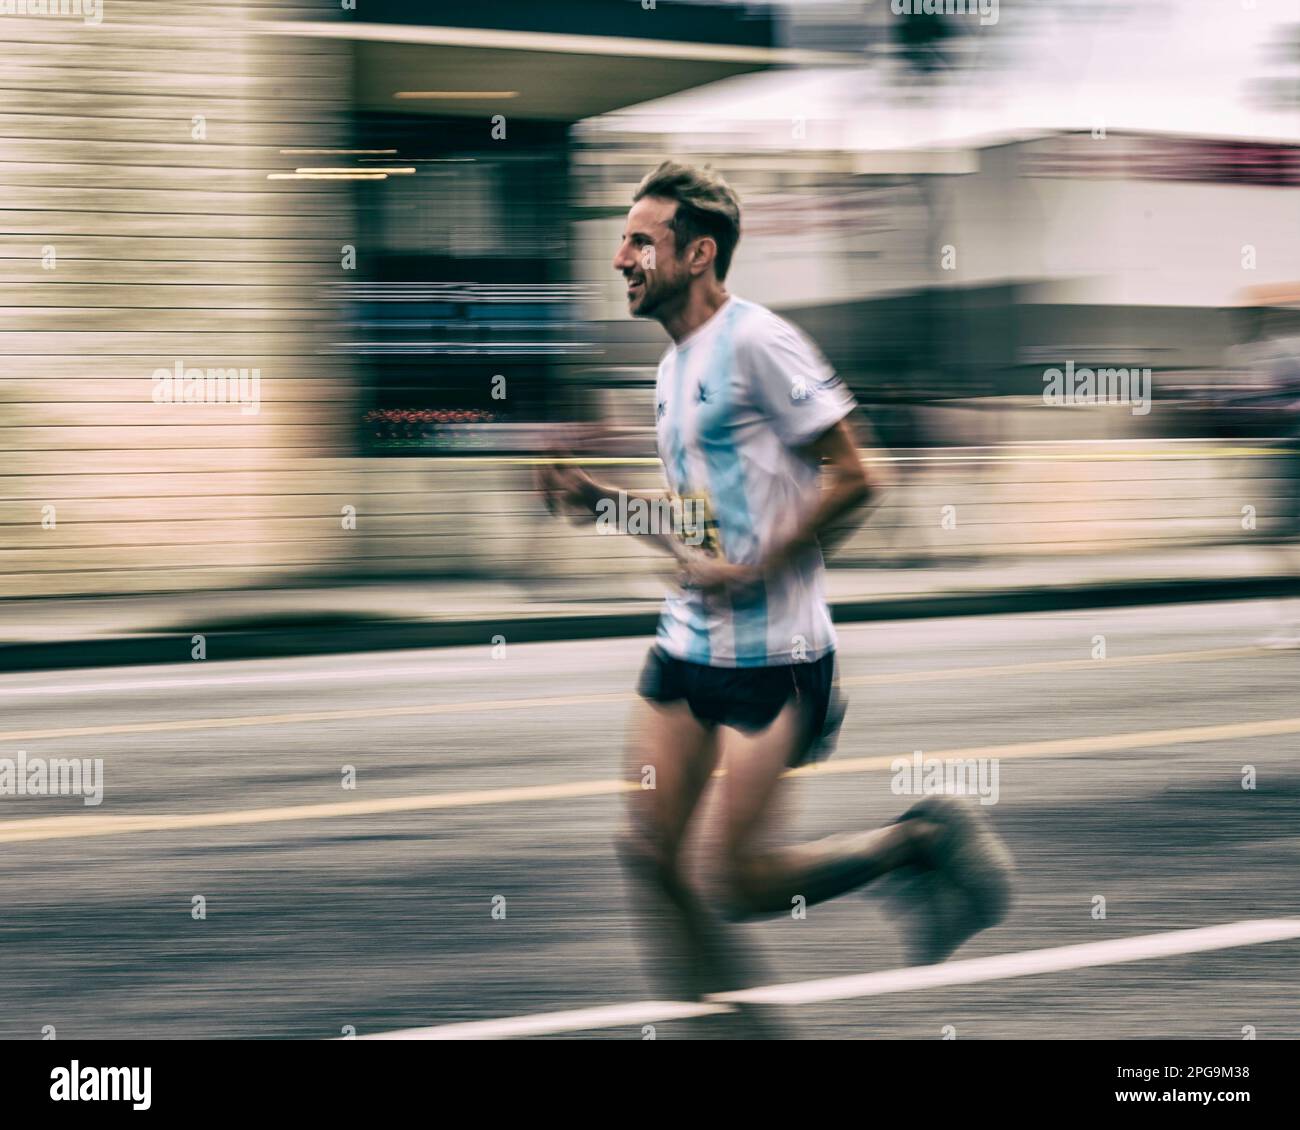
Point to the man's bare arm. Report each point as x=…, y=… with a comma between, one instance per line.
x=848, y=489
x=567, y=485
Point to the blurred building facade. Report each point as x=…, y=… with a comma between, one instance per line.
x=199, y=191
x=142, y=234
x=403, y=218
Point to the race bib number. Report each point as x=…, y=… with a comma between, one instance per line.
x=696, y=522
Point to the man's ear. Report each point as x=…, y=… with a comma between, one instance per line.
x=703, y=254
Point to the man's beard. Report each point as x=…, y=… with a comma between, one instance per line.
x=654, y=299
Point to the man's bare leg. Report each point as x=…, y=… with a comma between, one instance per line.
x=961, y=869
x=763, y=878
x=690, y=954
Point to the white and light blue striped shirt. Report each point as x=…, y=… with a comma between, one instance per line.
x=736, y=401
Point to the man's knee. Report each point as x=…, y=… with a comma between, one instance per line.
x=646, y=855
x=742, y=878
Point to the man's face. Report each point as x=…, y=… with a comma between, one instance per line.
x=647, y=258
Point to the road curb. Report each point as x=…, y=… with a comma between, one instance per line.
x=336, y=638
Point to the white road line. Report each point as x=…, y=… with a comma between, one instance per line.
x=1030, y=963
x=973, y=971
x=166, y=683
x=547, y=1023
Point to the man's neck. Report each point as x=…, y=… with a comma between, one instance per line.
x=700, y=305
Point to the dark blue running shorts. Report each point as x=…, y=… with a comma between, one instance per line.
x=749, y=699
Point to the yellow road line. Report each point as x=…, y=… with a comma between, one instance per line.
x=418, y=710
x=947, y=674
x=81, y=827
x=1072, y=747
x=78, y=827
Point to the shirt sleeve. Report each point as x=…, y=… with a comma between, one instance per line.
x=793, y=384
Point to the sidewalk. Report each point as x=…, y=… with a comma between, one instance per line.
x=105, y=631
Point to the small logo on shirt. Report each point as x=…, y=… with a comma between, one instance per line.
x=660, y=409
x=801, y=390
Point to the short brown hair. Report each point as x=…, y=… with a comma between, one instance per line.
x=706, y=205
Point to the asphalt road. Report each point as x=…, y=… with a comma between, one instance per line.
x=328, y=907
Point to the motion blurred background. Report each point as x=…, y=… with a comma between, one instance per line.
x=402, y=217
x=399, y=216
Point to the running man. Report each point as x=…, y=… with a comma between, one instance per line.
x=753, y=433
